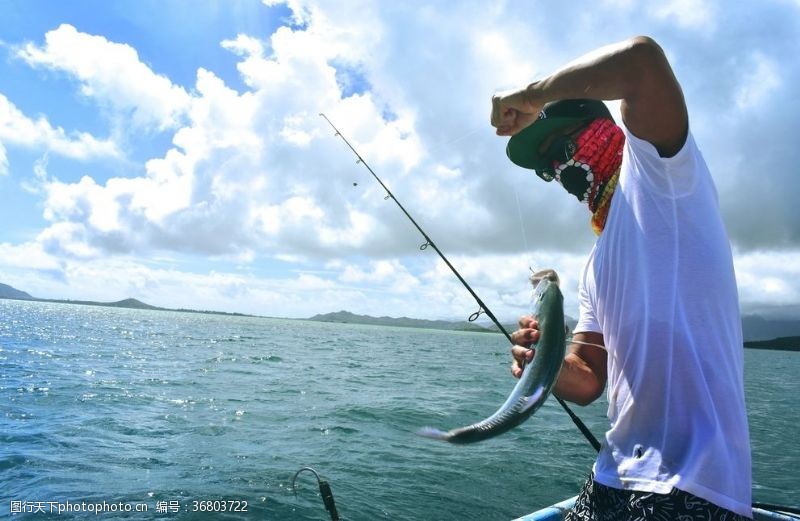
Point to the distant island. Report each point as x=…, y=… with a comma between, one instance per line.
x=346, y=317
x=784, y=343
x=9, y=293
x=788, y=343
x=757, y=329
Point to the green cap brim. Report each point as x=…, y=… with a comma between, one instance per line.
x=523, y=147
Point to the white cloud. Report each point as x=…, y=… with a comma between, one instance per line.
x=300, y=9
x=619, y=4
x=242, y=162
x=768, y=278
x=503, y=57
x=762, y=78
x=697, y=15
x=17, y=129
x=3, y=160
x=67, y=240
x=29, y=256
x=111, y=73
x=389, y=274
x=501, y=280
x=244, y=45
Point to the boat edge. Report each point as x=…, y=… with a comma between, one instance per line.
x=557, y=512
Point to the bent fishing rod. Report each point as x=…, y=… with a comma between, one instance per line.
x=482, y=308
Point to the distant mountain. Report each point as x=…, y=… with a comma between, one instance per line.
x=757, y=327
x=131, y=303
x=7, y=291
x=759, y=332
x=347, y=317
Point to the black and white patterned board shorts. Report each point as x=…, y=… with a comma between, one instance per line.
x=597, y=502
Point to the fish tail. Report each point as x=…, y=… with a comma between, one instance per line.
x=433, y=433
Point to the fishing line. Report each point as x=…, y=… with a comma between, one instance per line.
x=524, y=233
x=482, y=308
x=456, y=140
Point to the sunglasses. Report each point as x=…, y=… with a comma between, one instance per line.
x=560, y=151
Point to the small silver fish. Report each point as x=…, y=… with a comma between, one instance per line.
x=538, y=377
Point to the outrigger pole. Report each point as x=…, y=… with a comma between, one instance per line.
x=482, y=308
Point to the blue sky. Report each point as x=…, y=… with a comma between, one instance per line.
x=173, y=152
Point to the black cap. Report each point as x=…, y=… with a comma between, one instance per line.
x=523, y=147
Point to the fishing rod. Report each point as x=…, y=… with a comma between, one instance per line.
x=324, y=491
x=482, y=308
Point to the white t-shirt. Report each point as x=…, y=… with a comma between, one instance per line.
x=660, y=286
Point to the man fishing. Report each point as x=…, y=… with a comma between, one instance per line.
x=659, y=319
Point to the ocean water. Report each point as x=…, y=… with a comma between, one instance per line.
x=183, y=414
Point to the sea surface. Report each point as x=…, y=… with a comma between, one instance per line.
x=183, y=414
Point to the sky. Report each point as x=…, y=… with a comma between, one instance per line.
x=173, y=151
